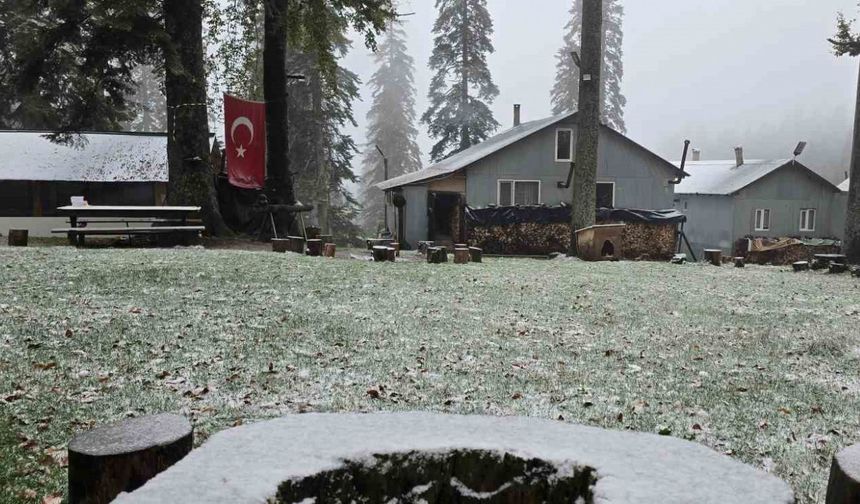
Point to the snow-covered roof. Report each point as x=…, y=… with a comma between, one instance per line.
x=98, y=157
x=724, y=177
x=489, y=146
x=844, y=185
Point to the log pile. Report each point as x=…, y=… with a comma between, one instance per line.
x=648, y=241
x=791, y=254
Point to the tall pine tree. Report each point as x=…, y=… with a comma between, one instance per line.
x=565, y=92
x=149, y=101
x=462, y=88
x=391, y=123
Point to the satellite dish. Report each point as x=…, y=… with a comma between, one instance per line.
x=799, y=149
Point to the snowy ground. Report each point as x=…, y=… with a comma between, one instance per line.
x=759, y=363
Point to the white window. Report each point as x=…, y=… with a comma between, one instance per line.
x=519, y=192
x=807, y=219
x=606, y=195
x=564, y=145
x=762, y=219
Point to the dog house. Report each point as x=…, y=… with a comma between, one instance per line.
x=600, y=243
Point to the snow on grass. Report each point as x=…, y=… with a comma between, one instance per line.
x=759, y=363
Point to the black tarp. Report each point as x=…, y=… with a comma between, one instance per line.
x=503, y=216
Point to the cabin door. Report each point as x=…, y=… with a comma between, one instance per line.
x=445, y=217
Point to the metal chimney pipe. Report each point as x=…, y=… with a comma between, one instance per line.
x=516, y=115
x=697, y=155
x=739, y=156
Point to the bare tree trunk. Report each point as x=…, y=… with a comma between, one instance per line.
x=191, y=179
x=465, y=142
x=584, y=204
x=852, y=217
x=322, y=184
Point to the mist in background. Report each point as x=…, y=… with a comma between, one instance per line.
x=722, y=73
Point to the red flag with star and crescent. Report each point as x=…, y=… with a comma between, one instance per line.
x=245, y=142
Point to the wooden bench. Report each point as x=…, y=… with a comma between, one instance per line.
x=77, y=234
x=163, y=220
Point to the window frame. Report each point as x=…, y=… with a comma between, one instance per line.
x=613, y=189
x=514, y=190
x=804, y=223
x=555, y=146
x=769, y=214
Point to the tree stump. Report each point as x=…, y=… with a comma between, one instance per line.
x=476, y=254
x=714, y=256
x=392, y=254
x=18, y=237
x=396, y=246
x=818, y=265
x=838, y=268
x=800, y=266
x=843, y=486
x=461, y=255
x=378, y=242
x=122, y=456
x=280, y=245
x=329, y=249
x=380, y=253
x=424, y=245
x=856, y=272
x=315, y=247
x=437, y=255
x=679, y=259
x=740, y=262
x=297, y=244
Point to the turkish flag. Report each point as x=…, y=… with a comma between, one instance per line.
x=245, y=142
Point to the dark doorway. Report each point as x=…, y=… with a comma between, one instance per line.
x=446, y=217
x=608, y=249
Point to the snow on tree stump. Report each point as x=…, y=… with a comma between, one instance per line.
x=424, y=245
x=315, y=247
x=714, y=256
x=122, y=456
x=679, y=259
x=740, y=262
x=800, y=266
x=297, y=244
x=414, y=457
x=380, y=253
x=280, y=245
x=461, y=256
x=437, y=255
x=378, y=242
x=476, y=254
x=18, y=237
x=392, y=254
x=844, y=484
x=329, y=250
x=838, y=268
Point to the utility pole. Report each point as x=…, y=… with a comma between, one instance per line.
x=584, y=202
x=384, y=196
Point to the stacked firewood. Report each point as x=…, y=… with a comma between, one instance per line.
x=521, y=239
x=791, y=254
x=648, y=241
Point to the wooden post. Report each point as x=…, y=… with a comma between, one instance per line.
x=329, y=250
x=380, y=253
x=122, y=456
x=461, y=255
x=280, y=245
x=315, y=247
x=18, y=237
x=714, y=256
x=297, y=244
x=476, y=254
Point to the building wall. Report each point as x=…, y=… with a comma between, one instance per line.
x=641, y=180
x=710, y=221
x=414, y=214
x=786, y=192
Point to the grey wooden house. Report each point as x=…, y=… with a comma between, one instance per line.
x=732, y=199
x=528, y=164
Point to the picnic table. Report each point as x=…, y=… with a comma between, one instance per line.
x=135, y=220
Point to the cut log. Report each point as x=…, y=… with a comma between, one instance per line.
x=378, y=242
x=740, y=262
x=297, y=244
x=477, y=254
x=856, y=272
x=424, y=245
x=329, y=250
x=843, y=486
x=714, y=256
x=380, y=253
x=280, y=245
x=838, y=268
x=396, y=248
x=800, y=266
x=437, y=255
x=461, y=255
x=315, y=247
x=122, y=456
x=18, y=237
x=392, y=254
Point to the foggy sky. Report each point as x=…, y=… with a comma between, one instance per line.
x=756, y=73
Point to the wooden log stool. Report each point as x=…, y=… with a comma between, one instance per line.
x=396, y=246
x=740, y=262
x=838, y=268
x=315, y=247
x=437, y=255
x=461, y=256
x=122, y=456
x=714, y=256
x=380, y=253
x=297, y=244
x=18, y=237
x=329, y=250
x=424, y=245
x=855, y=272
x=280, y=245
x=476, y=254
x=800, y=266
x=392, y=254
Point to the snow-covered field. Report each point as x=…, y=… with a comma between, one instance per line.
x=759, y=363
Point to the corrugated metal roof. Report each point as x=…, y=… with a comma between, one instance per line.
x=101, y=157
x=725, y=177
x=474, y=153
x=844, y=185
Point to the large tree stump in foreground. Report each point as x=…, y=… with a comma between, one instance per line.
x=844, y=484
x=122, y=456
x=18, y=237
